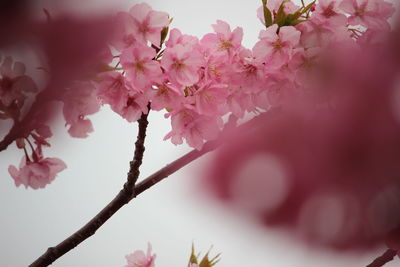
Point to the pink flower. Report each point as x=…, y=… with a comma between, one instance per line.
x=176, y=37
x=195, y=128
x=13, y=82
x=182, y=64
x=166, y=96
x=224, y=39
x=123, y=36
x=210, y=99
x=79, y=101
x=329, y=10
x=112, y=89
x=240, y=101
x=147, y=23
x=326, y=167
x=368, y=13
x=115, y=91
x=321, y=33
x=248, y=72
x=36, y=174
x=139, y=259
x=275, y=49
x=141, y=69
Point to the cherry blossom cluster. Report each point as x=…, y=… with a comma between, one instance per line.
x=140, y=259
x=197, y=82
x=35, y=170
x=327, y=168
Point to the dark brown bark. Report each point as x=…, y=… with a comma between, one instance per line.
x=130, y=190
x=385, y=258
x=123, y=197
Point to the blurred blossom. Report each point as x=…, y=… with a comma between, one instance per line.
x=326, y=165
x=140, y=259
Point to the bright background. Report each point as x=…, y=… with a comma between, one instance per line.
x=172, y=214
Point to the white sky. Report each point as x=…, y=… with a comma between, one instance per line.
x=171, y=215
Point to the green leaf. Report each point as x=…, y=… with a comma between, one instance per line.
x=283, y=19
x=280, y=15
x=267, y=14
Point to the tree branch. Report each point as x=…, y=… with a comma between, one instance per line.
x=174, y=166
x=123, y=197
x=385, y=258
x=130, y=190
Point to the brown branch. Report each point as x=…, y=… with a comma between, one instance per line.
x=174, y=166
x=123, y=197
x=130, y=190
x=385, y=258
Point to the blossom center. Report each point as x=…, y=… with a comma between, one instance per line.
x=225, y=45
x=178, y=64
x=329, y=12
x=277, y=44
x=140, y=66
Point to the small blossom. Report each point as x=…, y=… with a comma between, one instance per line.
x=275, y=49
x=79, y=101
x=182, y=65
x=194, y=128
x=224, y=39
x=117, y=92
x=140, y=259
x=36, y=174
x=329, y=10
x=13, y=82
x=141, y=70
x=368, y=13
x=147, y=23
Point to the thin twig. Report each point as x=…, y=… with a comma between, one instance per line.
x=128, y=192
x=123, y=198
x=385, y=258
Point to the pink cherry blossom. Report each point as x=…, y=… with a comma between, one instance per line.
x=275, y=49
x=79, y=101
x=141, y=70
x=329, y=10
x=140, y=259
x=249, y=73
x=36, y=174
x=239, y=101
x=321, y=33
x=124, y=35
x=224, y=39
x=326, y=168
x=194, y=128
x=210, y=99
x=176, y=37
x=13, y=82
x=182, y=64
x=113, y=89
x=166, y=96
x=368, y=13
x=147, y=23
